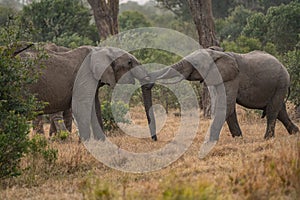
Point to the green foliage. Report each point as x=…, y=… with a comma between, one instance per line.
x=242, y=45
x=38, y=147
x=179, y=7
x=132, y=19
x=292, y=61
x=72, y=41
x=13, y=142
x=40, y=158
x=279, y=26
x=5, y=13
x=256, y=27
x=231, y=27
x=94, y=189
x=17, y=105
x=64, y=21
x=200, y=191
x=113, y=113
x=283, y=26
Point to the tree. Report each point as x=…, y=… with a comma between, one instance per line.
x=106, y=16
x=203, y=18
x=279, y=26
x=232, y=26
x=132, y=19
x=283, y=26
x=58, y=20
x=291, y=60
x=179, y=7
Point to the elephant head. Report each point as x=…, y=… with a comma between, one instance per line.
x=118, y=66
x=110, y=66
x=213, y=67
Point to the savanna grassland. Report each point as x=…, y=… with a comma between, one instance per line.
x=237, y=168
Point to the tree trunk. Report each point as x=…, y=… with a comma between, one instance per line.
x=203, y=18
x=106, y=16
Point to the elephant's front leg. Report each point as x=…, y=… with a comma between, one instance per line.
x=233, y=125
x=218, y=103
x=98, y=136
x=223, y=98
x=231, y=118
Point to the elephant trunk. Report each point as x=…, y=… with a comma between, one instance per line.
x=179, y=69
x=147, y=96
x=140, y=73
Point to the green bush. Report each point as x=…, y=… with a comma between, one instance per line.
x=292, y=61
x=17, y=105
x=110, y=120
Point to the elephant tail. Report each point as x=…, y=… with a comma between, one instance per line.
x=21, y=50
x=288, y=95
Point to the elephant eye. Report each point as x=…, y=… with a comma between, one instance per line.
x=130, y=62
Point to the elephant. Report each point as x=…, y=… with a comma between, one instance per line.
x=57, y=77
x=255, y=80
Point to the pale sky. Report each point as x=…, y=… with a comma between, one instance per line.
x=141, y=2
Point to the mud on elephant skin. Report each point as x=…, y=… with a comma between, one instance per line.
x=55, y=84
x=255, y=80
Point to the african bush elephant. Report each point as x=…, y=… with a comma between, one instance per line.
x=55, y=84
x=255, y=80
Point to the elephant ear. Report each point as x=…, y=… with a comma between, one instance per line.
x=101, y=66
x=225, y=65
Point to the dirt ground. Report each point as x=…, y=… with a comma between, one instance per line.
x=236, y=168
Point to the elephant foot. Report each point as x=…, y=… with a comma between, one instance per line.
x=294, y=130
x=269, y=136
x=206, y=147
x=154, y=137
x=239, y=134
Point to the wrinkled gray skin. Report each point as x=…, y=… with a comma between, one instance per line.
x=60, y=121
x=56, y=81
x=255, y=80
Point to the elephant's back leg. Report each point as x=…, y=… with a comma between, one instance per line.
x=67, y=115
x=287, y=122
x=38, y=124
x=273, y=108
x=57, y=123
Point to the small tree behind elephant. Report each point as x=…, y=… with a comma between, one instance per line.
x=255, y=80
x=55, y=84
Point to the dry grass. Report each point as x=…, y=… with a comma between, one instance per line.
x=242, y=168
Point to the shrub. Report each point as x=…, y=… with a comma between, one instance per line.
x=113, y=113
x=292, y=61
x=17, y=105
